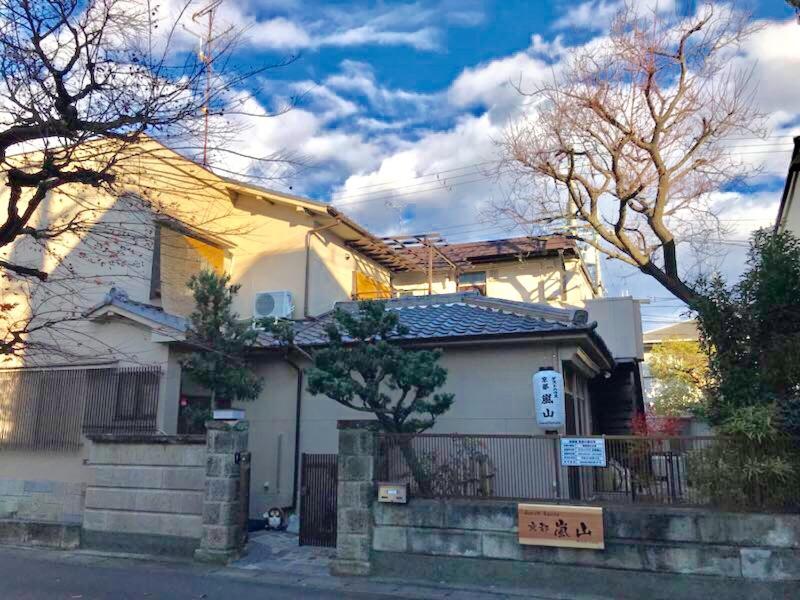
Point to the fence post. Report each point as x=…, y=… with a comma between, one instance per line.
x=222, y=539
x=355, y=494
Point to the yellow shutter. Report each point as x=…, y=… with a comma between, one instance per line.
x=368, y=288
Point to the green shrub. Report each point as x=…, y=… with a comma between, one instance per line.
x=751, y=466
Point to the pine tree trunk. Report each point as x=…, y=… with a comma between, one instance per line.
x=422, y=478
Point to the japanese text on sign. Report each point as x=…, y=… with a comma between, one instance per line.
x=583, y=452
x=548, y=394
x=565, y=526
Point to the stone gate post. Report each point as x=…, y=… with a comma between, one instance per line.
x=355, y=494
x=222, y=540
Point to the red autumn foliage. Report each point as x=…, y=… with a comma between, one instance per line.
x=648, y=425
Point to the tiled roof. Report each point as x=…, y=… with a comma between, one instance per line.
x=452, y=316
x=119, y=298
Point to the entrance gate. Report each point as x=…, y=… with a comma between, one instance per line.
x=318, y=500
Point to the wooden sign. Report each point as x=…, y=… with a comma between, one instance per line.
x=562, y=526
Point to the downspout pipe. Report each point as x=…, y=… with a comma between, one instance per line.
x=309, y=234
x=298, y=404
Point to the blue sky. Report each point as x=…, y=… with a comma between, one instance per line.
x=401, y=105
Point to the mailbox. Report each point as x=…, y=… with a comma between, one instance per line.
x=395, y=493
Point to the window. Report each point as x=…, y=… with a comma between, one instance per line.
x=476, y=280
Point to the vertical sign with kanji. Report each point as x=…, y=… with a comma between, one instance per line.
x=564, y=526
x=548, y=395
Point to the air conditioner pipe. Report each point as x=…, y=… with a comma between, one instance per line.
x=309, y=233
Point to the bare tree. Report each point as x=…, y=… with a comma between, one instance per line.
x=82, y=85
x=627, y=142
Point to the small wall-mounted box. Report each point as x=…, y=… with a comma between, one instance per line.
x=396, y=493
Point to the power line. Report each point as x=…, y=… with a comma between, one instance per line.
x=384, y=195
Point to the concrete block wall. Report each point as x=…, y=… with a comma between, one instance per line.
x=41, y=500
x=145, y=496
x=658, y=539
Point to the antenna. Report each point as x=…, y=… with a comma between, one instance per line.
x=206, y=55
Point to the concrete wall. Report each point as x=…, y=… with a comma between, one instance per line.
x=42, y=486
x=491, y=384
x=145, y=495
x=619, y=323
x=759, y=547
x=532, y=280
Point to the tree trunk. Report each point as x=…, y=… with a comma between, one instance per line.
x=421, y=477
x=677, y=287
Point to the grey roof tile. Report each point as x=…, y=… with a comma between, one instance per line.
x=449, y=316
x=119, y=298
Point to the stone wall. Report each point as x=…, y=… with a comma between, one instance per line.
x=224, y=519
x=145, y=495
x=657, y=539
x=355, y=494
x=41, y=500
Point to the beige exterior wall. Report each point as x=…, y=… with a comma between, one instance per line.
x=507, y=409
x=536, y=280
x=267, y=250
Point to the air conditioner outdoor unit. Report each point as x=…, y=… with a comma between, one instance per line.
x=275, y=305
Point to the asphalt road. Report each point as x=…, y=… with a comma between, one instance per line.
x=26, y=575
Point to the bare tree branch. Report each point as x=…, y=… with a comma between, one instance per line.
x=629, y=138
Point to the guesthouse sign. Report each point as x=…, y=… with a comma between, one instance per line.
x=548, y=396
x=561, y=526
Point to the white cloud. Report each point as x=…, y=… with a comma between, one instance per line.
x=495, y=84
x=380, y=149
x=359, y=78
x=277, y=33
x=596, y=15
x=405, y=24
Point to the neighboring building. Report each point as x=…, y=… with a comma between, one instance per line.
x=546, y=269
x=789, y=209
x=683, y=331
x=295, y=258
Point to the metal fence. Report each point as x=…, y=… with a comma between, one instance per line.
x=50, y=409
x=639, y=470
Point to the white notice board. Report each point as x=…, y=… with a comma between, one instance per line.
x=583, y=452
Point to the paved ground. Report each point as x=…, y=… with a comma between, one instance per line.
x=27, y=578
x=279, y=551
x=38, y=574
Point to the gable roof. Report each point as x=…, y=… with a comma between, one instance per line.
x=464, y=316
x=354, y=235
x=117, y=302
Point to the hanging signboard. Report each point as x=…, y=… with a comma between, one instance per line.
x=583, y=452
x=563, y=526
x=548, y=395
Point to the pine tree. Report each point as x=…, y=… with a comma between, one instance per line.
x=363, y=368
x=219, y=363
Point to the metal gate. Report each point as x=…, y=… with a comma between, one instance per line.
x=318, y=500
